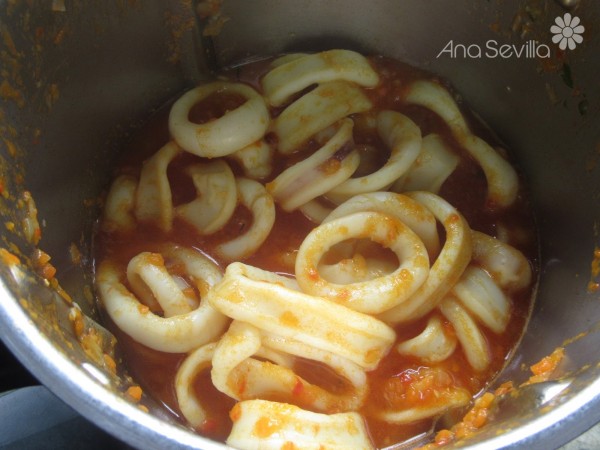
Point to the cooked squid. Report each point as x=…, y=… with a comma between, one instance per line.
x=447, y=268
x=224, y=135
x=151, y=282
x=416, y=216
x=255, y=197
x=507, y=265
x=119, y=205
x=326, y=168
x=469, y=335
x=292, y=76
x=256, y=159
x=217, y=197
x=502, y=179
x=189, y=404
x=153, y=201
x=262, y=425
x=372, y=296
x=315, y=211
x=433, y=166
x=238, y=374
x=174, y=334
x=270, y=302
x=433, y=344
x=308, y=250
x=403, y=137
x=478, y=292
x=317, y=110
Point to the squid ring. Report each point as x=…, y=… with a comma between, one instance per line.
x=447, y=268
x=317, y=110
x=507, y=265
x=298, y=73
x=236, y=373
x=176, y=334
x=373, y=296
x=410, y=212
x=120, y=201
x=482, y=297
x=256, y=159
x=197, y=361
x=295, y=428
x=470, y=337
x=315, y=210
x=400, y=134
x=217, y=197
x=151, y=283
x=255, y=197
x=225, y=135
x=445, y=400
x=432, y=345
x=502, y=179
x=333, y=163
x=433, y=166
x=272, y=303
x=153, y=200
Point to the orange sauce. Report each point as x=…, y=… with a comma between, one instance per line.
x=390, y=383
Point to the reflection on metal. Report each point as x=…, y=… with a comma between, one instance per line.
x=568, y=4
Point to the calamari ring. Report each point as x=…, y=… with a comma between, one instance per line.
x=416, y=216
x=400, y=134
x=353, y=266
x=236, y=373
x=296, y=428
x=272, y=303
x=256, y=159
x=480, y=295
x=217, y=197
x=349, y=370
x=297, y=73
x=329, y=166
x=445, y=400
x=503, y=183
x=286, y=59
x=153, y=202
x=240, y=342
x=433, y=166
x=507, y=265
x=469, y=335
x=151, y=282
x=315, y=210
x=225, y=135
x=176, y=334
x=197, y=361
x=447, y=268
x=255, y=197
x=118, y=208
x=317, y=110
x=374, y=296
x=432, y=345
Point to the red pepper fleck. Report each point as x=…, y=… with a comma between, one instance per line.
x=298, y=388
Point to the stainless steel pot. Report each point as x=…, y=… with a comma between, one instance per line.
x=78, y=77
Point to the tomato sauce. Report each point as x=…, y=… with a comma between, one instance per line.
x=390, y=382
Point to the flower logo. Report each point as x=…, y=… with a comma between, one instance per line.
x=567, y=31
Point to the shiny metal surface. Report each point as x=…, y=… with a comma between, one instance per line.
x=112, y=63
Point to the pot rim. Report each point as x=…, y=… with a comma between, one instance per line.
x=88, y=396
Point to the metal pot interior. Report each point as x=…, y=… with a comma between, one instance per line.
x=79, y=78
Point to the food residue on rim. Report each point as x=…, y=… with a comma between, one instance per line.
x=594, y=283
x=482, y=411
